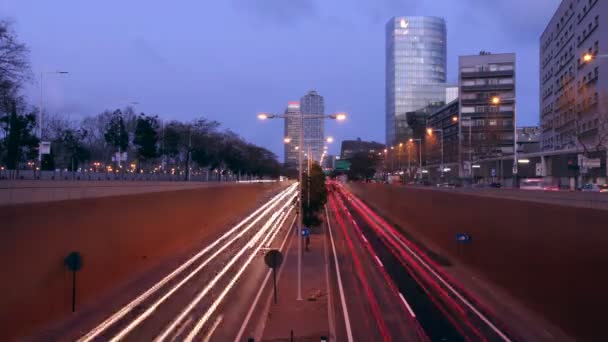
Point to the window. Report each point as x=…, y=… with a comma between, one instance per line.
x=506, y=81
x=467, y=109
x=492, y=122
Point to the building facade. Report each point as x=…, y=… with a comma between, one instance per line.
x=351, y=147
x=313, y=104
x=451, y=93
x=416, y=50
x=443, y=129
x=292, y=132
x=574, y=89
x=487, y=106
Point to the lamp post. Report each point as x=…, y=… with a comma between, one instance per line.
x=430, y=132
x=419, y=154
x=338, y=117
x=40, y=108
x=496, y=102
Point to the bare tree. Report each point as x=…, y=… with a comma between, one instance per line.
x=14, y=63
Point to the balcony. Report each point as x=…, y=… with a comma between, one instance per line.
x=488, y=87
x=482, y=74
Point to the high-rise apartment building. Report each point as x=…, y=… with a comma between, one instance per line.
x=415, y=70
x=292, y=132
x=573, y=82
x=487, y=105
x=312, y=104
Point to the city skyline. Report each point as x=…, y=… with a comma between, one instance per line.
x=126, y=57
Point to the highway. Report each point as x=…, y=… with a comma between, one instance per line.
x=208, y=296
x=392, y=289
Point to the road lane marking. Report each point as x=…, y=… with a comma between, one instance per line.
x=349, y=333
x=364, y=239
x=407, y=305
x=239, y=335
x=196, y=330
x=181, y=329
x=400, y=239
x=212, y=283
x=378, y=260
x=150, y=310
x=217, y=322
x=136, y=302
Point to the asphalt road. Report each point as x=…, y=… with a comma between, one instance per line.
x=208, y=296
x=392, y=289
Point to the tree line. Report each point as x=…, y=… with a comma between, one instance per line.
x=101, y=140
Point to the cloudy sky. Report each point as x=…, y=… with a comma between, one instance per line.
x=227, y=60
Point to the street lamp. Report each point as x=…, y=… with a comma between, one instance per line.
x=287, y=140
x=330, y=139
x=301, y=117
x=42, y=105
x=588, y=57
x=419, y=153
x=440, y=130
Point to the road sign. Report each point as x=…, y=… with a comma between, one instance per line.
x=592, y=163
x=274, y=259
x=539, y=169
x=463, y=238
x=74, y=263
x=44, y=147
x=305, y=232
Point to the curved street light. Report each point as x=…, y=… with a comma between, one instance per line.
x=301, y=117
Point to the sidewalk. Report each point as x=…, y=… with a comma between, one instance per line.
x=307, y=318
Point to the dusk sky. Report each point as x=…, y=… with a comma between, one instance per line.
x=228, y=60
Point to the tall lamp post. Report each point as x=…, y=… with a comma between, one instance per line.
x=440, y=130
x=496, y=102
x=338, y=117
x=419, y=154
x=40, y=108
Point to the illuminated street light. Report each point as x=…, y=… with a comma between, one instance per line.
x=429, y=131
x=401, y=144
x=495, y=100
x=300, y=117
x=587, y=57
x=340, y=116
x=454, y=119
x=330, y=139
x=287, y=140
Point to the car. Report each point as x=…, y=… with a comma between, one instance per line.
x=591, y=187
x=495, y=185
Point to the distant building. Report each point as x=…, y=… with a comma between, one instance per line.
x=528, y=139
x=292, y=131
x=487, y=104
x=351, y=147
x=312, y=104
x=451, y=93
x=444, y=125
x=574, y=89
x=415, y=70
x=329, y=162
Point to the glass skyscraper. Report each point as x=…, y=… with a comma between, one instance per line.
x=415, y=70
x=312, y=104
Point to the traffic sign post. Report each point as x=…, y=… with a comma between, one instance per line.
x=274, y=259
x=74, y=263
x=305, y=232
x=463, y=238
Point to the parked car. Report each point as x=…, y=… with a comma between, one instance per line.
x=495, y=185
